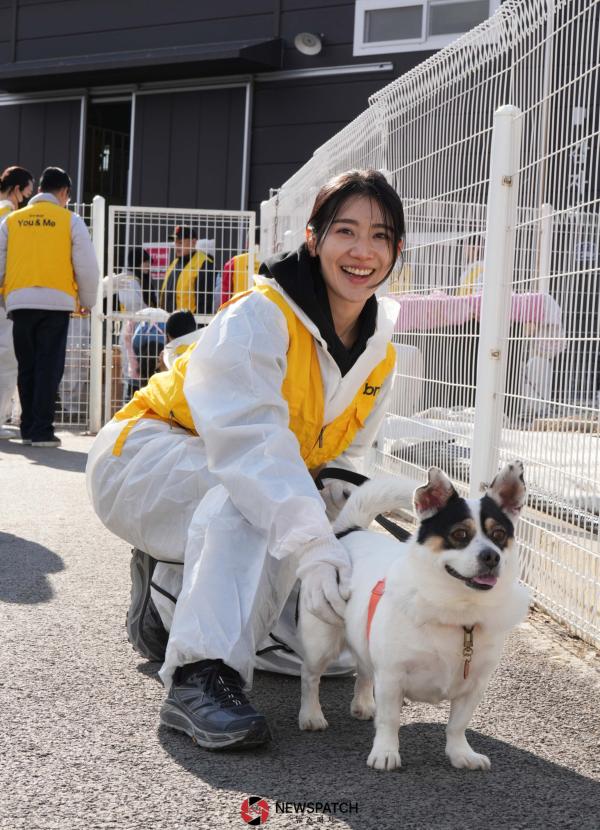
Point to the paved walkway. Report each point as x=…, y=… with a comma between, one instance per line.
x=81, y=746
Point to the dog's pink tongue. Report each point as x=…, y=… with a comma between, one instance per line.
x=485, y=580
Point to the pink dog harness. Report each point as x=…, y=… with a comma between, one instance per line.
x=376, y=595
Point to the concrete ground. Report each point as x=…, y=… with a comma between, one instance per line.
x=82, y=748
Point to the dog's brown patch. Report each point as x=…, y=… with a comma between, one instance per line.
x=490, y=526
x=436, y=544
x=455, y=537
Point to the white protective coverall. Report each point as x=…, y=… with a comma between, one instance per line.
x=237, y=505
x=8, y=371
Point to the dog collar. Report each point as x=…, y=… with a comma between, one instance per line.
x=467, y=649
x=376, y=595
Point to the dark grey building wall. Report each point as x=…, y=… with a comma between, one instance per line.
x=188, y=149
x=60, y=28
x=293, y=118
x=37, y=135
x=66, y=28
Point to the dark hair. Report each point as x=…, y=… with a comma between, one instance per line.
x=180, y=323
x=136, y=257
x=53, y=179
x=369, y=183
x=15, y=177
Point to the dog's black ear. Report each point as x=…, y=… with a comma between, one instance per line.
x=508, y=489
x=434, y=495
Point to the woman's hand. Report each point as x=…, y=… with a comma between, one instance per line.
x=326, y=573
x=323, y=596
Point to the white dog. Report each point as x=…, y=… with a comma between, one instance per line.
x=434, y=630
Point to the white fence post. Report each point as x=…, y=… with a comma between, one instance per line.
x=98, y=227
x=497, y=293
x=545, y=249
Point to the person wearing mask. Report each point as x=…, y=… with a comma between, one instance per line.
x=212, y=464
x=189, y=281
x=48, y=269
x=16, y=186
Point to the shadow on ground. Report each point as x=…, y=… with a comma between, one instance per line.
x=24, y=566
x=55, y=457
x=521, y=792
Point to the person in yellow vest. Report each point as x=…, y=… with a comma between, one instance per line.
x=47, y=267
x=212, y=464
x=471, y=278
x=16, y=186
x=189, y=280
x=235, y=277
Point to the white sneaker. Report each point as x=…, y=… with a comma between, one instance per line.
x=8, y=433
x=52, y=442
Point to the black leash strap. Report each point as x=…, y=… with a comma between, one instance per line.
x=356, y=478
x=279, y=644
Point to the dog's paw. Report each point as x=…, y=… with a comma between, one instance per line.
x=312, y=721
x=362, y=709
x=468, y=759
x=384, y=759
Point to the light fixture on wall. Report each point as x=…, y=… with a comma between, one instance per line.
x=308, y=44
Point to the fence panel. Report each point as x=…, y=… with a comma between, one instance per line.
x=430, y=131
x=73, y=404
x=160, y=261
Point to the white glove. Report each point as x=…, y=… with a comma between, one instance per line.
x=325, y=571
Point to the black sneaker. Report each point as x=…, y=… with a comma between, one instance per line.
x=206, y=702
x=145, y=630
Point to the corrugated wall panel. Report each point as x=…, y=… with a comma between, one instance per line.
x=188, y=149
x=41, y=134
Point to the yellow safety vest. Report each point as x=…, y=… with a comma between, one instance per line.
x=39, y=249
x=242, y=279
x=185, y=288
x=469, y=284
x=302, y=388
x=182, y=348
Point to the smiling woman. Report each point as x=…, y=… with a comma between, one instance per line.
x=211, y=465
x=357, y=231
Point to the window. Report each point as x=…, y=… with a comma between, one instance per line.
x=382, y=26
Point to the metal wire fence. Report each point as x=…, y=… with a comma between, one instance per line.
x=73, y=402
x=162, y=262
x=431, y=132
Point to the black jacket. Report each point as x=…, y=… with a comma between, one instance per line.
x=299, y=274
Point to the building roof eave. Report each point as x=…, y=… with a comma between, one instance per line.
x=137, y=65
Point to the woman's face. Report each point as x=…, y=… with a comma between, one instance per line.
x=24, y=193
x=355, y=254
